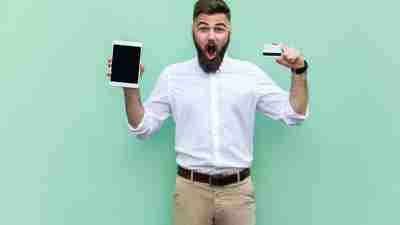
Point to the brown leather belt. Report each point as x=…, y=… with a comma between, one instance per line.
x=216, y=180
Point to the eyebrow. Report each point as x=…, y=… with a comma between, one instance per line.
x=221, y=24
x=204, y=23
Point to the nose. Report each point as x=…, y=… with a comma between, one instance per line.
x=211, y=35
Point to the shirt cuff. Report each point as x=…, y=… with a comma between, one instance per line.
x=138, y=129
x=293, y=118
x=295, y=115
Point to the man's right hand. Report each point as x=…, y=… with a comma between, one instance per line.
x=133, y=104
x=109, y=65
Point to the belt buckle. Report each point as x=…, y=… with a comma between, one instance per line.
x=216, y=178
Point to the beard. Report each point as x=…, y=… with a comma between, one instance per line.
x=211, y=66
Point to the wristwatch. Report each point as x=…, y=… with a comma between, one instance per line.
x=302, y=69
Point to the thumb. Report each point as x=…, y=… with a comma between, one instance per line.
x=282, y=61
x=141, y=68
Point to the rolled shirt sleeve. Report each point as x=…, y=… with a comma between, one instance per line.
x=156, y=110
x=294, y=118
x=274, y=102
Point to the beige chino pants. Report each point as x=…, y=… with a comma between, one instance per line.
x=201, y=204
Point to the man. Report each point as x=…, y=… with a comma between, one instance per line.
x=213, y=99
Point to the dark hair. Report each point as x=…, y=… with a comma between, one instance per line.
x=211, y=7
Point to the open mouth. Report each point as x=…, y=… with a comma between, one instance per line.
x=211, y=51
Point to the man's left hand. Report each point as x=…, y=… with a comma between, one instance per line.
x=290, y=58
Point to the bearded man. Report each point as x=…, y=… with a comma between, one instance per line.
x=213, y=99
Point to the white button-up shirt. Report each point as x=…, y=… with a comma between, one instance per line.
x=214, y=113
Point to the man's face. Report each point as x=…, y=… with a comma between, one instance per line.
x=211, y=34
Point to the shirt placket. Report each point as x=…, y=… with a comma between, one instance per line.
x=214, y=116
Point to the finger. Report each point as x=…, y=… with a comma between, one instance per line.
x=297, y=57
x=299, y=61
x=291, y=63
x=282, y=61
x=108, y=72
x=291, y=59
x=285, y=52
x=296, y=60
x=291, y=55
x=141, y=68
x=286, y=57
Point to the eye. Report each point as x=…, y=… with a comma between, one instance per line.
x=204, y=29
x=219, y=29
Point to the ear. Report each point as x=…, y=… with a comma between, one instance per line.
x=193, y=26
x=229, y=26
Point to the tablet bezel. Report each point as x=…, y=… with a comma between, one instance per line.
x=133, y=44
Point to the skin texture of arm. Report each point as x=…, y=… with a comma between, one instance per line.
x=293, y=59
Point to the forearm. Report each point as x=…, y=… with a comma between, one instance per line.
x=299, y=93
x=133, y=106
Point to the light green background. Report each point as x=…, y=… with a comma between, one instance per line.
x=66, y=156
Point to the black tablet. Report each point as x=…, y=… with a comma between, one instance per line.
x=125, y=70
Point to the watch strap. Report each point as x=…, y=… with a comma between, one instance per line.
x=302, y=69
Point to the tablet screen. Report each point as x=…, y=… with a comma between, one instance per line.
x=125, y=64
